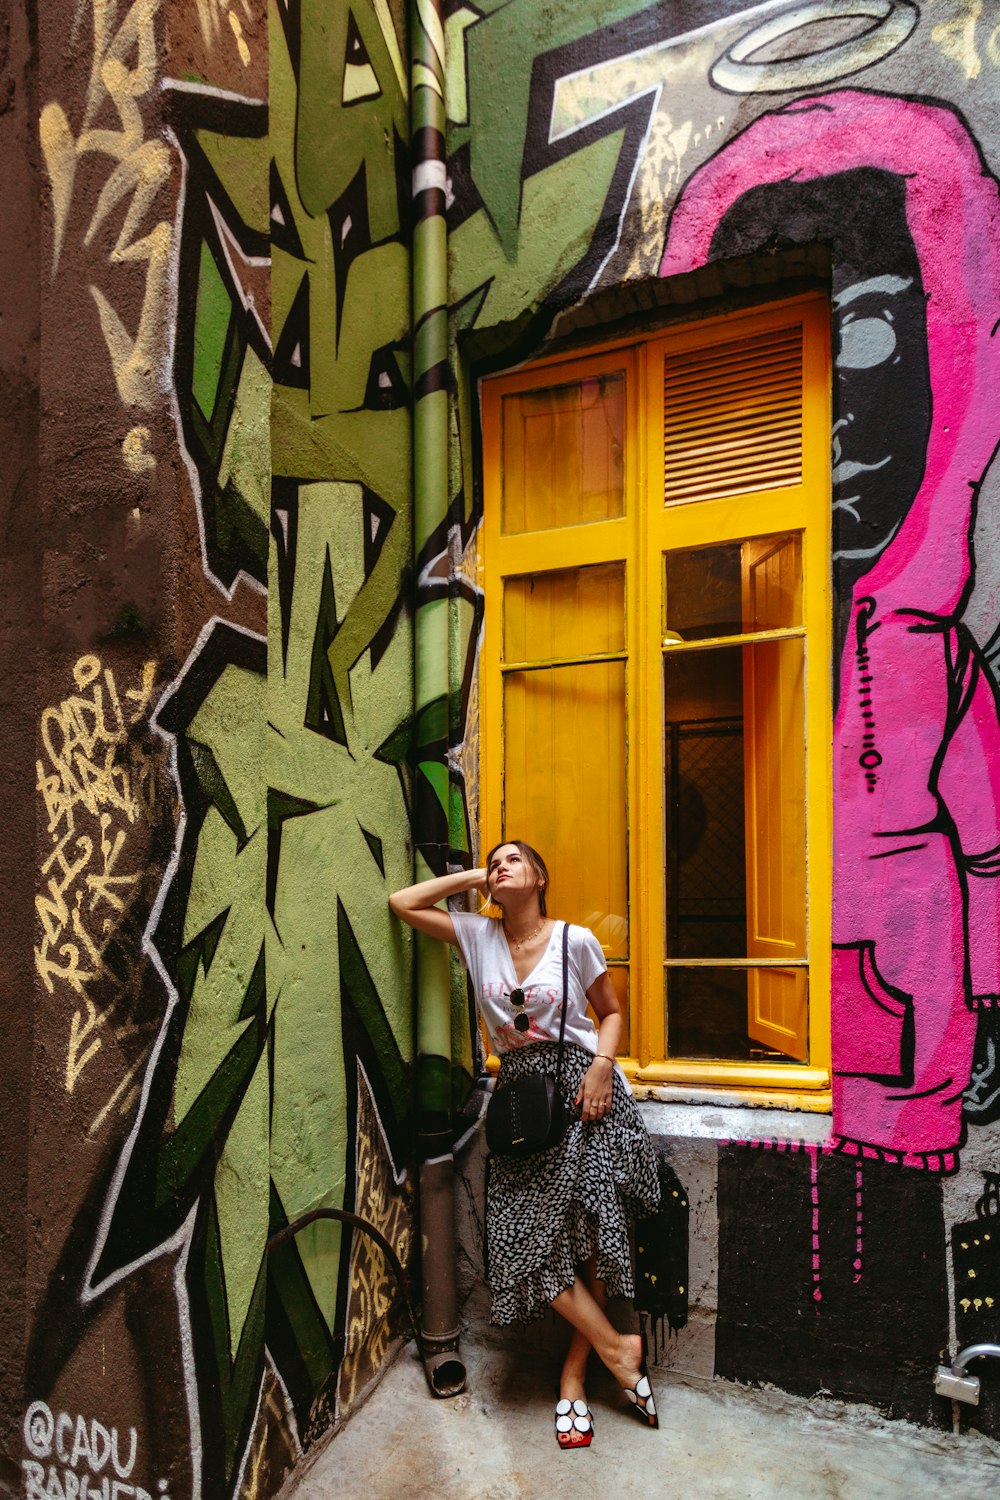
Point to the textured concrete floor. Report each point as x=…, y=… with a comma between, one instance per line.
x=716, y=1443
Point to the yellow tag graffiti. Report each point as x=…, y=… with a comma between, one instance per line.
x=123, y=71
x=98, y=788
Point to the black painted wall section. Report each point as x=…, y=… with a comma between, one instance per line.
x=866, y=1324
x=975, y=1254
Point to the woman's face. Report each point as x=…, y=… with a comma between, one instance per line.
x=509, y=873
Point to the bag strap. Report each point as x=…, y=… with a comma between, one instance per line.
x=565, y=1001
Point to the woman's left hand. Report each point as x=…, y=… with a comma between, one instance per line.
x=593, y=1097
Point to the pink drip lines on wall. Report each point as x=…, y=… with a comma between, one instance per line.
x=814, y=1151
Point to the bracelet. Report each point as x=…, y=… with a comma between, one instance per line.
x=606, y=1055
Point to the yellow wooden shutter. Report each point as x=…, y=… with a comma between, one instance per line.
x=733, y=416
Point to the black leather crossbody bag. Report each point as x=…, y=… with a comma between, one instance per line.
x=528, y=1115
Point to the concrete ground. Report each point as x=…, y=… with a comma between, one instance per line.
x=718, y=1442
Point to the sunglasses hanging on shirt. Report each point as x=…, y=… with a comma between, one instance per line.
x=521, y=1021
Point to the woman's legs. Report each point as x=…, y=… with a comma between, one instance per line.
x=573, y=1380
x=621, y=1352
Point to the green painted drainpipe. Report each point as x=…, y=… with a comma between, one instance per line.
x=440, y=1326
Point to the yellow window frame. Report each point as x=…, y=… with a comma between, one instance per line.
x=640, y=537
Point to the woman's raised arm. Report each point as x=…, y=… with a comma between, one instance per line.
x=417, y=904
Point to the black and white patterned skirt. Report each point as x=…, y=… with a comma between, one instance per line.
x=550, y=1214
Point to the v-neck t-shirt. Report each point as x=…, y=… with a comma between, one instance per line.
x=484, y=952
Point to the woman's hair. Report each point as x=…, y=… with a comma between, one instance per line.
x=536, y=862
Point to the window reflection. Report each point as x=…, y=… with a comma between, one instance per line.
x=563, y=454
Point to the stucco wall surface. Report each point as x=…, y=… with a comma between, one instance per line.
x=213, y=761
x=207, y=1012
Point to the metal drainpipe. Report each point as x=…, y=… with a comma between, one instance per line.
x=954, y=1382
x=440, y=1327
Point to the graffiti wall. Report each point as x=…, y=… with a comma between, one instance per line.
x=636, y=147
x=219, y=717
x=216, y=757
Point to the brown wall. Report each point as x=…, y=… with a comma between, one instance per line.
x=20, y=605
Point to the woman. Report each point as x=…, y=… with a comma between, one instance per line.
x=557, y=1223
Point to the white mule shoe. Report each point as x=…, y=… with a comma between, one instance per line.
x=574, y=1424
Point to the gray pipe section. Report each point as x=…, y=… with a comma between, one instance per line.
x=440, y=1329
x=964, y=1358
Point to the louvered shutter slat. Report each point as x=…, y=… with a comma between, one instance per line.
x=733, y=417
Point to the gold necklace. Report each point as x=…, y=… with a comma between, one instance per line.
x=518, y=943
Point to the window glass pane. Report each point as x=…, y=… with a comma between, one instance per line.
x=563, y=454
x=571, y=612
x=735, y=588
x=734, y=761
x=706, y=889
x=564, y=788
x=714, y=1014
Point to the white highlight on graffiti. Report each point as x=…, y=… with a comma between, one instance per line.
x=293, y=1426
x=429, y=174
x=864, y=344
x=81, y=1450
x=184, y=86
x=872, y=286
x=734, y=72
x=38, y=1429
x=861, y=553
x=235, y=254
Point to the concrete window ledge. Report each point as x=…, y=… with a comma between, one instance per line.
x=716, y=1119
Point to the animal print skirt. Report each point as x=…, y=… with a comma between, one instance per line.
x=551, y=1213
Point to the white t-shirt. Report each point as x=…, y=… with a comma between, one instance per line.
x=484, y=951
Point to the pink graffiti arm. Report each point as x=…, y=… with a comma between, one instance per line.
x=969, y=784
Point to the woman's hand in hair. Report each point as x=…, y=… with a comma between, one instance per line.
x=417, y=905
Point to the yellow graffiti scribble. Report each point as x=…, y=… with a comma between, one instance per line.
x=123, y=72
x=135, y=450
x=98, y=787
x=241, y=46
x=958, y=39
x=373, y=1293
x=593, y=93
x=210, y=13
x=272, y=1450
